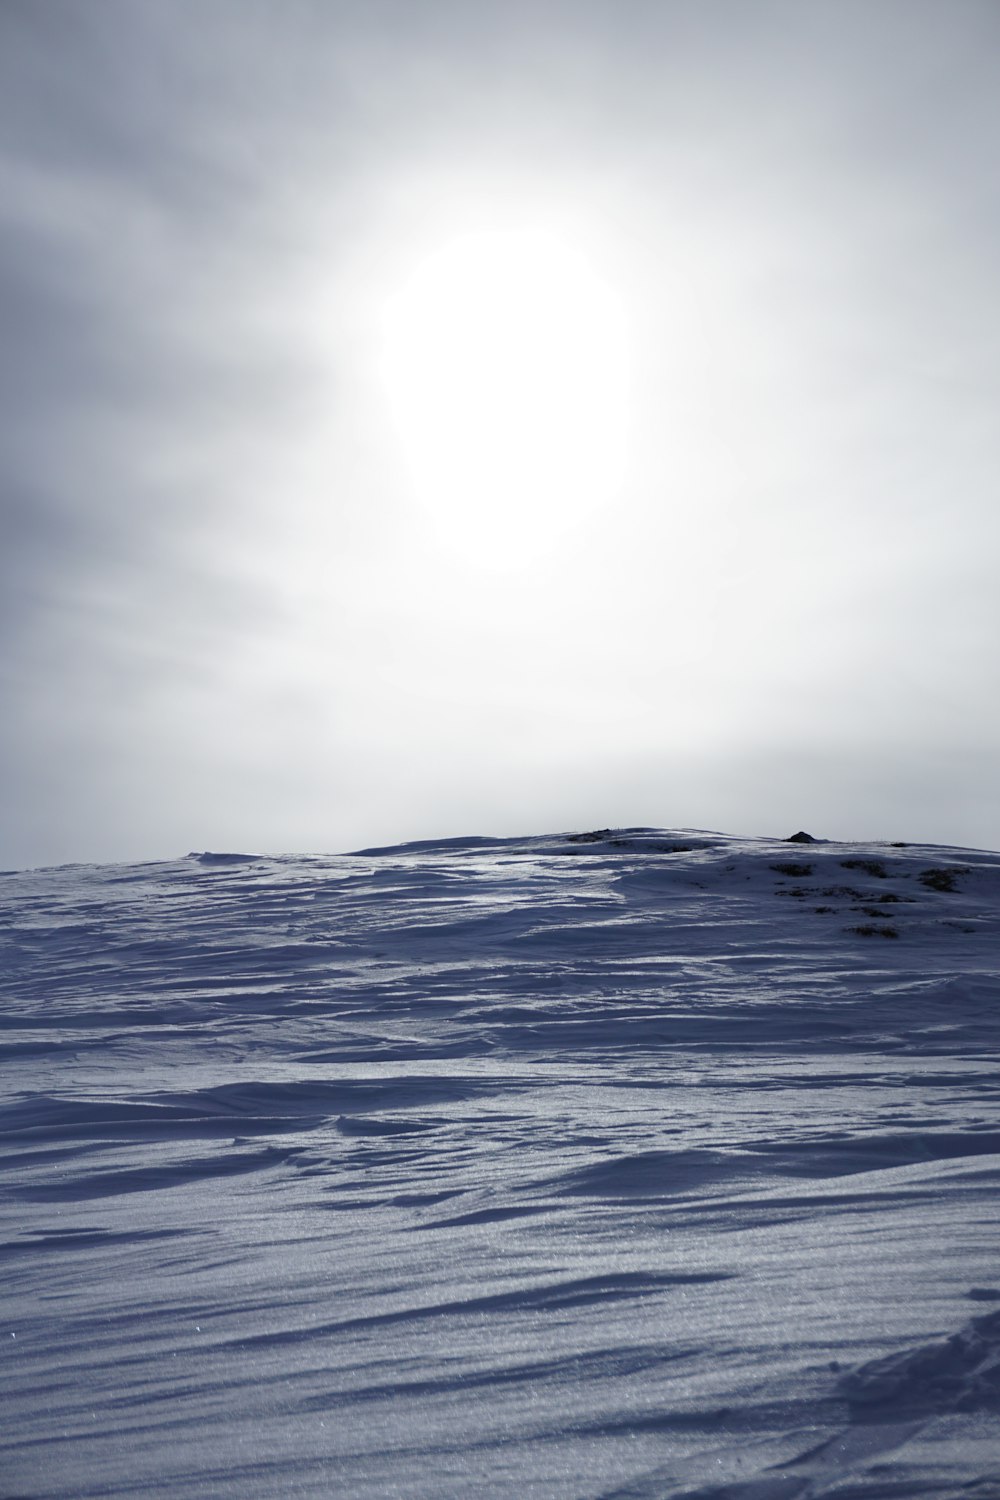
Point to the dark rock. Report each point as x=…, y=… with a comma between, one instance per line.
x=801, y=838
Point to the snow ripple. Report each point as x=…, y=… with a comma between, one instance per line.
x=624, y=1164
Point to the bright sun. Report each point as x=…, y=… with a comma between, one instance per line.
x=505, y=364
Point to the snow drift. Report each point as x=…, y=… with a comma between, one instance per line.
x=629, y=1163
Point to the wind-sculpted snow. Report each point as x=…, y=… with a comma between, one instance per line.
x=626, y=1164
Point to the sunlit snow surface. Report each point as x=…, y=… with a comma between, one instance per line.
x=525, y=1168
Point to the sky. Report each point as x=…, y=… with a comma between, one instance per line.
x=426, y=418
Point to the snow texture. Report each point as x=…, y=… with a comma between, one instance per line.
x=623, y=1164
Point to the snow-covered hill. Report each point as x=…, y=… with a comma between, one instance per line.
x=629, y=1164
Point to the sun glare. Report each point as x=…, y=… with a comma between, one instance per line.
x=505, y=366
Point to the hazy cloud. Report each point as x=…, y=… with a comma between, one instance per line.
x=226, y=621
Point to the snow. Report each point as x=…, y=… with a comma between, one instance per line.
x=636, y=1164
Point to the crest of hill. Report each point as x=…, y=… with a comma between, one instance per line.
x=648, y=840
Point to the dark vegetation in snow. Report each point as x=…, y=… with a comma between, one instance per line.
x=873, y=867
x=940, y=880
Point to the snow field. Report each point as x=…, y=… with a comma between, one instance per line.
x=555, y=1167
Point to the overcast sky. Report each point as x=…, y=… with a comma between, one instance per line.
x=424, y=418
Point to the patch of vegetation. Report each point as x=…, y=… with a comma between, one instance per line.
x=870, y=866
x=822, y=910
x=875, y=929
x=595, y=837
x=789, y=867
x=887, y=898
x=939, y=880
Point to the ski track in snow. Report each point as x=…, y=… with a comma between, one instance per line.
x=638, y=1165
